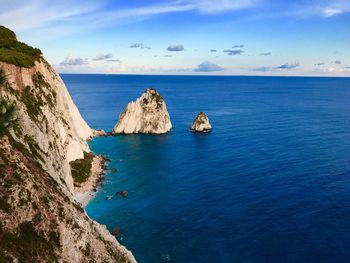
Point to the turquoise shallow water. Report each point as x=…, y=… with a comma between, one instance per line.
x=271, y=183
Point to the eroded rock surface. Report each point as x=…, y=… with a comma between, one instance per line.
x=201, y=123
x=147, y=115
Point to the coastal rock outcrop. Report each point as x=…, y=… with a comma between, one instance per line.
x=147, y=115
x=201, y=123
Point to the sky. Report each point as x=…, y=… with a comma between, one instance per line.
x=187, y=37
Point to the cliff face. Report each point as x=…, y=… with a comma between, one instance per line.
x=147, y=115
x=39, y=220
x=48, y=117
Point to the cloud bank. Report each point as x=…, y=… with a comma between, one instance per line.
x=72, y=61
x=287, y=66
x=99, y=57
x=207, y=66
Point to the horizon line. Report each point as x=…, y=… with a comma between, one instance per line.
x=206, y=75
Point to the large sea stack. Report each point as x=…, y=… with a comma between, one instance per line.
x=201, y=123
x=147, y=115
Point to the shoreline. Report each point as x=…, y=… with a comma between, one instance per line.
x=87, y=190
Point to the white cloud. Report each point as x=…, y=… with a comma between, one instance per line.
x=26, y=15
x=331, y=12
x=219, y=6
x=63, y=15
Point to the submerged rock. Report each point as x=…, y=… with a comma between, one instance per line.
x=116, y=231
x=201, y=123
x=114, y=170
x=123, y=193
x=109, y=197
x=165, y=258
x=147, y=115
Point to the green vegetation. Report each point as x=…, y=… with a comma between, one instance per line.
x=4, y=206
x=32, y=103
x=3, y=77
x=81, y=168
x=34, y=148
x=28, y=244
x=15, y=52
x=44, y=89
x=41, y=94
x=8, y=117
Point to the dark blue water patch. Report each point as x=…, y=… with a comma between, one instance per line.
x=271, y=183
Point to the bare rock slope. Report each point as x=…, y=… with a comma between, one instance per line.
x=147, y=115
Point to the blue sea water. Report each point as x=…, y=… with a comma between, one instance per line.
x=270, y=183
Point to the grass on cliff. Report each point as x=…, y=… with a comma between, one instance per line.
x=15, y=52
x=81, y=168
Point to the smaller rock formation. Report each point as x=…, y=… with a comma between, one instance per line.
x=114, y=170
x=99, y=133
x=147, y=115
x=201, y=123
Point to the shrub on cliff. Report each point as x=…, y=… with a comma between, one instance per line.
x=81, y=168
x=3, y=77
x=8, y=117
x=15, y=52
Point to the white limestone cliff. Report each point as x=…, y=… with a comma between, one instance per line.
x=201, y=123
x=53, y=133
x=147, y=115
x=54, y=123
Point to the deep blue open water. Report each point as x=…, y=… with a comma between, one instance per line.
x=271, y=183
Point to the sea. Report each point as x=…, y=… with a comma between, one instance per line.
x=270, y=183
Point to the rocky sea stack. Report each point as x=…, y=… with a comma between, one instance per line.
x=147, y=115
x=201, y=123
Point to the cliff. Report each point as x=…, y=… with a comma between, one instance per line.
x=40, y=221
x=147, y=115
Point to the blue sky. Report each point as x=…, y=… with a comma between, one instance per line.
x=221, y=37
